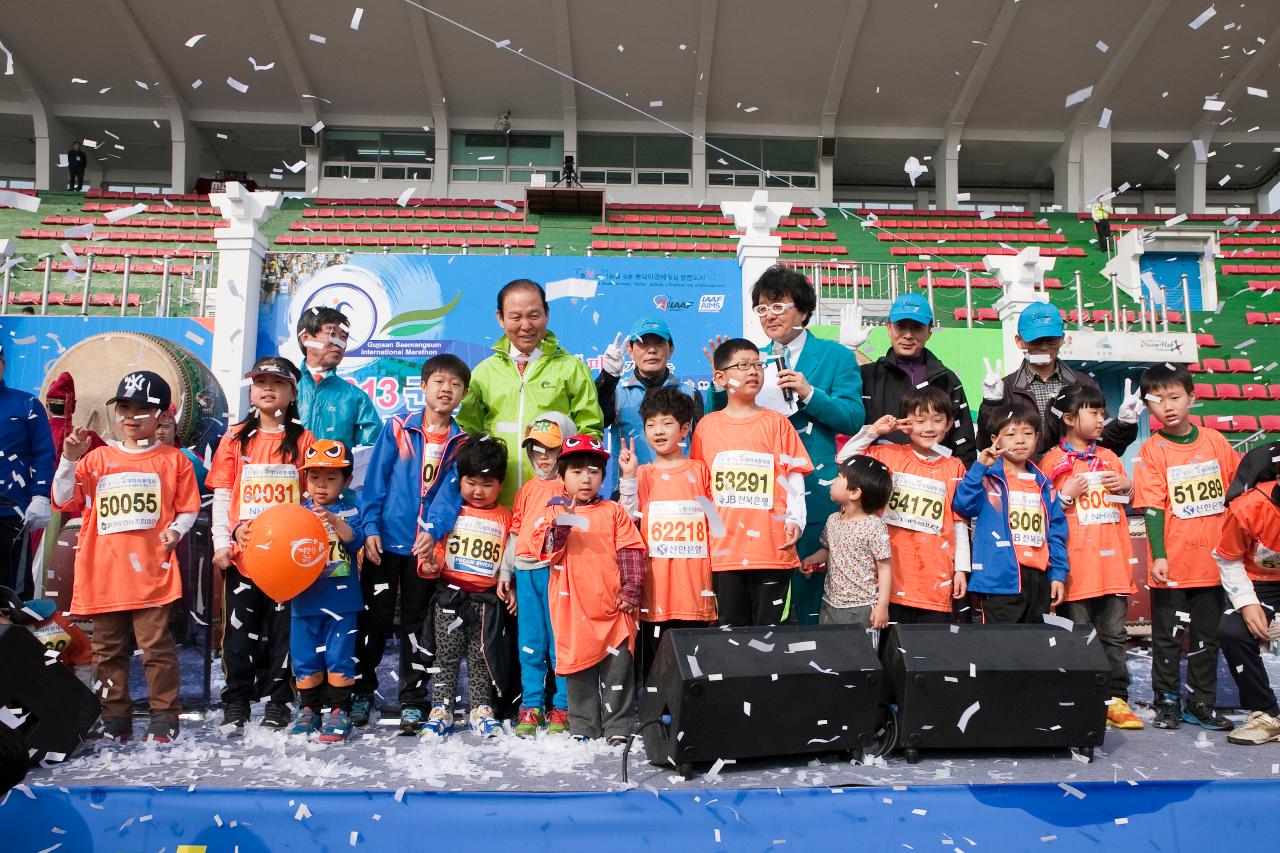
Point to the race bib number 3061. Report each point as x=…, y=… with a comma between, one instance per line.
x=1196, y=490
x=1026, y=519
x=742, y=478
x=263, y=486
x=127, y=501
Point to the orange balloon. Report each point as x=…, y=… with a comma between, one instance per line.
x=285, y=550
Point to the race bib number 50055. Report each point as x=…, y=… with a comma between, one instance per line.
x=127, y=501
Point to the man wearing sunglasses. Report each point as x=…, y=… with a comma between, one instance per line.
x=817, y=384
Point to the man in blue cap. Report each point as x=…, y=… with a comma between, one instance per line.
x=908, y=364
x=650, y=347
x=1041, y=376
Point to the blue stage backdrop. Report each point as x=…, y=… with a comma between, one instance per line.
x=406, y=308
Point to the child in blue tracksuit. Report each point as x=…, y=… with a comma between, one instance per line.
x=410, y=501
x=322, y=628
x=1019, y=552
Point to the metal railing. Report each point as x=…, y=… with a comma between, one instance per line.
x=176, y=295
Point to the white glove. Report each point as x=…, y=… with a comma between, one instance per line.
x=852, y=333
x=37, y=514
x=613, y=357
x=992, y=384
x=1131, y=405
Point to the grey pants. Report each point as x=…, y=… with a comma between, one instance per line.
x=845, y=615
x=601, y=698
x=1106, y=614
x=451, y=647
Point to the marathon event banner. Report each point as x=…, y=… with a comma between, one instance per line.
x=405, y=308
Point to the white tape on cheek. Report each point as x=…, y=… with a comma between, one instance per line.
x=313, y=345
x=338, y=342
x=1039, y=358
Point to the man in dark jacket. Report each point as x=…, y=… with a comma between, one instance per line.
x=26, y=475
x=1041, y=376
x=76, y=161
x=908, y=364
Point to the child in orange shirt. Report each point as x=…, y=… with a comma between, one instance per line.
x=757, y=478
x=668, y=496
x=597, y=570
x=139, y=498
x=256, y=467
x=466, y=618
x=542, y=441
x=1093, y=488
x=1248, y=556
x=1181, y=479
x=929, y=542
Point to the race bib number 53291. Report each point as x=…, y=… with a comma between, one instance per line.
x=742, y=478
x=128, y=501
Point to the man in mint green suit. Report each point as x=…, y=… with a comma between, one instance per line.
x=818, y=385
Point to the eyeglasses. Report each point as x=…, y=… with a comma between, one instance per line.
x=775, y=308
x=745, y=366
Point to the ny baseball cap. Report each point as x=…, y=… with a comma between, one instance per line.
x=545, y=433
x=911, y=306
x=648, y=326
x=144, y=388
x=582, y=443
x=1040, y=320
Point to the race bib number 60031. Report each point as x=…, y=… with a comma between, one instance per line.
x=263, y=486
x=742, y=478
x=128, y=501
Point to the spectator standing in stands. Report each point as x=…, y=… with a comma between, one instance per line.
x=26, y=475
x=76, y=161
x=529, y=373
x=1042, y=376
x=910, y=365
x=1102, y=223
x=332, y=408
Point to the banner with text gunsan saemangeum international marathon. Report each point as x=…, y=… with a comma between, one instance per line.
x=405, y=308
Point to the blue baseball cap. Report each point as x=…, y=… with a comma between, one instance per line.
x=648, y=326
x=1040, y=320
x=911, y=306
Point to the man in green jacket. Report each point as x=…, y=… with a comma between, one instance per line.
x=529, y=373
x=330, y=406
x=818, y=385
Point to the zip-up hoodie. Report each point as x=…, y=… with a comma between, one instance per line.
x=983, y=496
x=393, y=505
x=26, y=451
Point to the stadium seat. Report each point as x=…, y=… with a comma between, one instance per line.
x=1273, y=392
x=1204, y=340
x=1270, y=423
x=1254, y=391
x=1256, y=318
x=1240, y=365
x=1212, y=365
x=1205, y=391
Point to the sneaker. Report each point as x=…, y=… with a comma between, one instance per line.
x=163, y=728
x=484, y=723
x=617, y=740
x=439, y=722
x=306, y=722
x=1168, y=712
x=528, y=722
x=361, y=709
x=557, y=721
x=1121, y=716
x=1206, y=716
x=337, y=727
x=277, y=715
x=234, y=715
x=117, y=728
x=411, y=722
x=1258, y=728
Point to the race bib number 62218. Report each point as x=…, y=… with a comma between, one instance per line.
x=676, y=529
x=743, y=478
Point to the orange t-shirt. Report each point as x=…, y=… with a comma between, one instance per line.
x=1098, y=546
x=677, y=584
x=582, y=593
x=472, y=553
x=1252, y=533
x=921, y=525
x=128, y=500
x=1189, y=483
x=749, y=459
x=529, y=504
x=1028, y=521
x=258, y=479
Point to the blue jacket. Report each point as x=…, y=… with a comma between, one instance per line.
x=338, y=410
x=26, y=451
x=393, y=504
x=620, y=401
x=983, y=497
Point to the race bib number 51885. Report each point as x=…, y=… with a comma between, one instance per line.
x=742, y=478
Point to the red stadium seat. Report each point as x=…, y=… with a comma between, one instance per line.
x=1227, y=391
x=1240, y=365
x=1205, y=391
x=1254, y=391
x=1256, y=318
x=1213, y=365
x=1270, y=423
x=1203, y=340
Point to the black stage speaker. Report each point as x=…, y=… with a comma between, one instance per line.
x=752, y=692
x=997, y=686
x=59, y=709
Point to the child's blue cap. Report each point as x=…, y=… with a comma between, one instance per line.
x=911, y=306
x=648, y=326
x=1040, y=320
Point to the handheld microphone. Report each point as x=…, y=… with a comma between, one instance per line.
x=788, y=394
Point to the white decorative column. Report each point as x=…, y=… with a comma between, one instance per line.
x=758, y=249
x=241, y=249
x=1022, y=277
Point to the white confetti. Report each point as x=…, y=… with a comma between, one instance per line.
x=1079, y=96
x=191, y=42
x=317, y=39
x=356, y=17
x=1202, y=18
x=967, y=715
x=1255, y=91
x=237, y=85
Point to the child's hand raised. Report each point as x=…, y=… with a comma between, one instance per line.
x=628, y=464
x=76, y=444
x=990, y=454
x=888, y=424
x=710, y=349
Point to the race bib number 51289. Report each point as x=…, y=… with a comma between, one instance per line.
x=1196, y=490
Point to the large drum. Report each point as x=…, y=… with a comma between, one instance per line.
x=100, y=362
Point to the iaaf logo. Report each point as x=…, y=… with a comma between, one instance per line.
x=666, y=303
x=306, y=553
x=710, y=303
